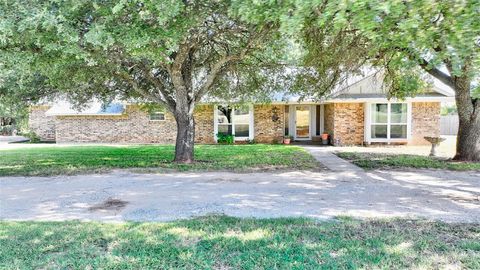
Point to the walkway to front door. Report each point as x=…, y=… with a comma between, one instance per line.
x=325, y=156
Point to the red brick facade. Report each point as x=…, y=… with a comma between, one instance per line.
x=267, y=129
x=343, y=121
x=425, y=121
x=41, y=124
x=133, y=126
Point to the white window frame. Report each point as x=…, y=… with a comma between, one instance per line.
x=250, y=124
x=368, y=122
x=157, y=120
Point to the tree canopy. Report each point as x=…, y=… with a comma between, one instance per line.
x=172, y=53
x=175, y=53
x=407, y=39
x=131, y=48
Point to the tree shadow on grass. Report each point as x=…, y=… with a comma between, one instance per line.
x=222, y=242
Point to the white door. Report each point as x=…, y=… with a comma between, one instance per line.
x=302, y=122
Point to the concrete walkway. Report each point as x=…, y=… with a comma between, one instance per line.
x=325, y=156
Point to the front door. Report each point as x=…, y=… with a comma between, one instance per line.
x=302, y=122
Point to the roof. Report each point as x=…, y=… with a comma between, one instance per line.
x=93, y=108
x=374, y=95
x=360, y=88
x=371, y=86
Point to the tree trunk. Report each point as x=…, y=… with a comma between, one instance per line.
x=185, y=137
x=468, y=140
x=468, y=137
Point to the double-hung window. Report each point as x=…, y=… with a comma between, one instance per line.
x=235, y=121
x=389, y=121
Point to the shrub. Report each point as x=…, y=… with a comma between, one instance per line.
x=34, y=138
x=225, y=138
x=276, y=141
x=7, y=130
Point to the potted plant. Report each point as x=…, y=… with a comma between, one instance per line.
x=325, y=138
x=287, y=139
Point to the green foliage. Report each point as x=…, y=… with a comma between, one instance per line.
x=79, y=159
x=403, y=37
x=448, y=110
x=6, y=130
x=476, y=91
x=34, y=138
x=276, y=141
x=151, y=107
x=225, y=138
x=222, y=242
x=134, y=49
x=14, y=109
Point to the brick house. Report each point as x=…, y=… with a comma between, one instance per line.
x=357, y=114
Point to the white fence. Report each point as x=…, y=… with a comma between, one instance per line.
x=448, y=124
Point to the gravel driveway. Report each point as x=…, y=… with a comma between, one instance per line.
x=121, y=195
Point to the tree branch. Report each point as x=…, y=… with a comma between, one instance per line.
x=217, y=68
x=159, y=86
x=435, y=72
x=425, y=65
x=138, y=89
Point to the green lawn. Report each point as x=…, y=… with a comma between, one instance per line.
x=386, y=161
x=79, y=159
x=220, y=242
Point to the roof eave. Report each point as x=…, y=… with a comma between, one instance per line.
x=408, y=99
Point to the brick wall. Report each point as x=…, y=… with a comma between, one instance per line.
x=345, y=121
x=204, y=124
x=132, y=127
x=328, y=118
x=267, y=130
x=425, y=121
x=342, y=120
x=42, y=125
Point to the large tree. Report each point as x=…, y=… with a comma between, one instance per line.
x=407, y=39
x=172, y=53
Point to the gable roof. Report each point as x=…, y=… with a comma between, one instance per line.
x=371, y=86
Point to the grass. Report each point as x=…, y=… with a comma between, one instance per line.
x=220, y=242
x=387, y=161
x=80, y=159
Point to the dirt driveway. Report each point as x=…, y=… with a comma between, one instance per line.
x=120, y=195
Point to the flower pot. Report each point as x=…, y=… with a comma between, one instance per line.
x=286, y=141
x=324, y=136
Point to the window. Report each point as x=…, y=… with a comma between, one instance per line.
x=224, y=120
x=157, y=116
x=388, y=121
x=242, y=122
x=398, y=121
x=379, y=120
x=234, y=121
